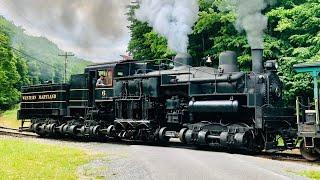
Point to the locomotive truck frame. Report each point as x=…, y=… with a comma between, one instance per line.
x=153, y=101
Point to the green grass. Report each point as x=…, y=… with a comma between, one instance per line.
x=311, y=174
x=30, y=160
x=9, y=118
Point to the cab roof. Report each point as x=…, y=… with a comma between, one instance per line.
x=313, y=68
x=105, y=65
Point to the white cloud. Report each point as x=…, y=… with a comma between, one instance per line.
x=92, y=29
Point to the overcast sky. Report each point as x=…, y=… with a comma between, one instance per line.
x=92, y=29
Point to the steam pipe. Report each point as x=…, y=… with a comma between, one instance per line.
x=233, y=78
x=182, y=60
x=257, y=60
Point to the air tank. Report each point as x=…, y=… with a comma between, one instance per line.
x=214, y=106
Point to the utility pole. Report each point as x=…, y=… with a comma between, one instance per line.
x=65, y=55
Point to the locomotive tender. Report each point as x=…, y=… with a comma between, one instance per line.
x=149, y=101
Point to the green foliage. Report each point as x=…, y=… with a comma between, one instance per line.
x=158, y=45
x=296, y=24
x=41, y=63
x=294, y=84
x=292, y=37
x=13, y=73
x=310, y=174
x=42, y=50
x=145, y=44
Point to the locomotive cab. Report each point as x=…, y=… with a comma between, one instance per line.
x=101, y=94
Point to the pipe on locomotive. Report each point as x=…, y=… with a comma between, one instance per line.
x=257, y=60
x=182, y=60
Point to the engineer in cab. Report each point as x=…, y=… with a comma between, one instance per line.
x=101, y=81
x=105, y=79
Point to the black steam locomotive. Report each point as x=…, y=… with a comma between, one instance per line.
x=155, y=101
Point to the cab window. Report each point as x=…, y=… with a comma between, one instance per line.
x=108, y=79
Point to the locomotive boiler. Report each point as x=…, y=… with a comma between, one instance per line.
x=203, y=105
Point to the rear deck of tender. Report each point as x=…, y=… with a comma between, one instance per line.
x=43, y=101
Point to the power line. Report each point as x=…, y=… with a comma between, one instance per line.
x=27, y=21
x=31, y=24
x=27, y=55
x=65, y=55
x=36, y=59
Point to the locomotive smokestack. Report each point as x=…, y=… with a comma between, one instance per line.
x=182, y=60
x=257, y=60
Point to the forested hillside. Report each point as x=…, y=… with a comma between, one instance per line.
x=41, y=50
x=293, y=36
x=26, y=60
x=13, y=73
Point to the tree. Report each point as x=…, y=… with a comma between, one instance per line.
x=296, y=25
x=8, y=74
x=292, y=37
x=145, y=44
x=23, y=70
x=13, y=73
x=39, y=53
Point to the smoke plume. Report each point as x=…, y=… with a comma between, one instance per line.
x=172, y=19
x=91, y=28
x=249, y=18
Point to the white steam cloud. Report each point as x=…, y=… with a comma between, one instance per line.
x=93, y=29
x=172, y=19
x=249, y=18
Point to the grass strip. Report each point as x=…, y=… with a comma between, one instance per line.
x=9, y=118
x=311, y=174
x=30, y=160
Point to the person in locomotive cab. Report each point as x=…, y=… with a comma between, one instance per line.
x=101, y=81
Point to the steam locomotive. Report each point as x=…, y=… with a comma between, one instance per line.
x=158, y=100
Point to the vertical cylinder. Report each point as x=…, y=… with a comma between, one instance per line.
x=257, y=60
x=316, y=95
x=182, y=60
x=228, y=62
x=298, y=110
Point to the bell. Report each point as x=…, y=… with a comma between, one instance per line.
x=209, y=60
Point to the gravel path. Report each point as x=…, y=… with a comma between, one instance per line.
x=121, y=161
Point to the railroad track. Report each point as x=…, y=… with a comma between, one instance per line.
x=282, y=156
x=15, y=132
